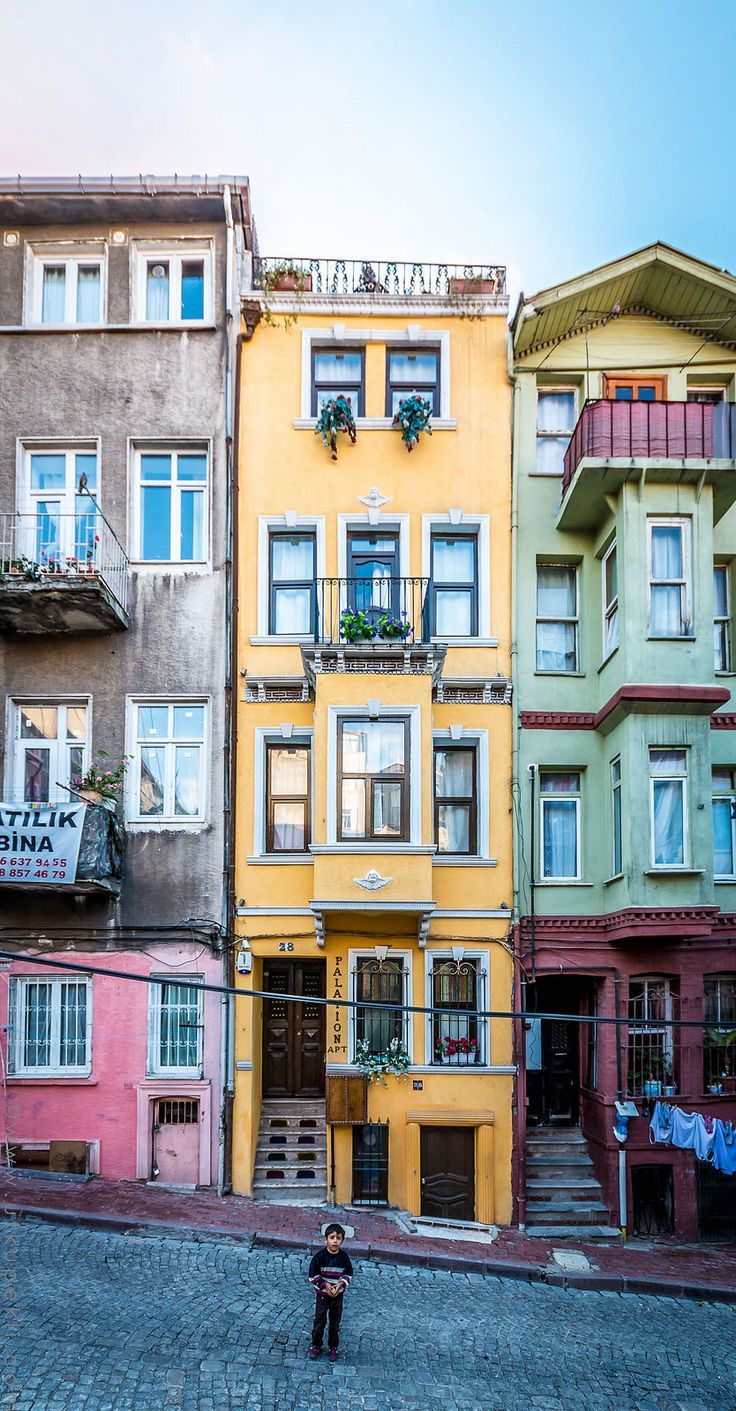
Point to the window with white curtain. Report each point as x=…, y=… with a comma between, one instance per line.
x=51, y=749
x=67, y=288
x=173, y=285
x=454, y=584
x=670, y=593
x=560, y=798
x=668, y=802
x=171, y=505
x=175, y=1026
x=555, y=425
x=287, y=796
x=455, y=799
x=373, y=784
x=292, y=566
x=721, y=618
x=610, y=601
x=50, y=1028
x=167, y=768
x=724, y=822
x=557, y=617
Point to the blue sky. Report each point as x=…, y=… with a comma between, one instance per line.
x=548, y=136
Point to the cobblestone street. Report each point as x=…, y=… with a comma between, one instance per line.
x=103, y=1322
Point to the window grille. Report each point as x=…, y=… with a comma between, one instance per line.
x=458, y=993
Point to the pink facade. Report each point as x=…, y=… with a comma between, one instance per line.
x=115, y=1109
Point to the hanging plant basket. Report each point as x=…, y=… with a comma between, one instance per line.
x=412, y=418
x=336, y=416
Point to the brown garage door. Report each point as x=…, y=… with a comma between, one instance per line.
x=448, y=1172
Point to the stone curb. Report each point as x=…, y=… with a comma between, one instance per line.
x=594, y=1281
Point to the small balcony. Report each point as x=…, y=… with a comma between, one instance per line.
x=373, y=625
x=61, y=573
x=615, y=441
x=68, y=848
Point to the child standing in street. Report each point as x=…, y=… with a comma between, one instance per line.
x=330, y=1273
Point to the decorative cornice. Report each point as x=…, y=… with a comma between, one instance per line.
x=557, y=720
x=631, y=923
x=698, y=700
x=723, y=720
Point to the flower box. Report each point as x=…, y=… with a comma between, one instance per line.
x=292, y=284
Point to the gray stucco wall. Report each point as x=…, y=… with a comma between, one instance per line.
x=122, y=386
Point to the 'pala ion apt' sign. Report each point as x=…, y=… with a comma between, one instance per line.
x=40, y=844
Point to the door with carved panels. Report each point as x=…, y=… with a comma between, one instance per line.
x=294, y=1031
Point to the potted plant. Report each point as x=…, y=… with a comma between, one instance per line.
x=356, y=626
x=98, y=782
x=412, y=417
x=287, y=278
x=456, y=1048
x=375, y=1066
x=474, y=284
x=393, y=629
x=336, y=415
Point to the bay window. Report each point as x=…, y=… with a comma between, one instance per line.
x=610, y=601
x=560, y=797
x=557, y=618
x=668, y=807
x=721, y=618
x=616, y=815
x=724, y=822
x=670, y=592
x=287, y=797
x=50, y=1029
x=373, y=779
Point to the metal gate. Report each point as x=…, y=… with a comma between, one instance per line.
x=370, y=1164
x=716, y=1203
x=653, y=1199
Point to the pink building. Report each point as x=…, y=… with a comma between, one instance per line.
x=130, y=1069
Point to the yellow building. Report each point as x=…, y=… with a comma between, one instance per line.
x=373, y=829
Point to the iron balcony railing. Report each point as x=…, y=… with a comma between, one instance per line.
x=361, y=611
x=608, y=429
x=43, y=546
x=394, y=278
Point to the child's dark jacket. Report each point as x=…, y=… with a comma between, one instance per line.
x=327, y=1268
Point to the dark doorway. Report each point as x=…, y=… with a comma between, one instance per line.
x=653, y=1199
x=553, y=1054
x=294, y=1033
x=716, y=1203
x=448, y=1172
x=370, y=1164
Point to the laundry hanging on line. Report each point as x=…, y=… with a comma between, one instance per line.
x=709, y=1137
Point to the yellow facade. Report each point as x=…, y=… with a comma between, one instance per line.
x=323, y=905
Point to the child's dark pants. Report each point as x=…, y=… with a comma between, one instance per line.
x=327, y=1308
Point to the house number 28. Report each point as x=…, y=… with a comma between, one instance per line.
x=286, y=945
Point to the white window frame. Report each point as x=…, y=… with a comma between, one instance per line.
x=71, y=254
x=685, y=583
x=477, y=740
x=173, y=449
x=617, y=788
x=612, y=608
x=263, y=736
x=147, y=252
x=139, y=822
x=340, y=336
x=669, y=778
x=723, y=621
x=567, y=796
x=269, y=524
x=155, y=1005
x=725, y=796
x=574, y=620
x=18, y=988
x=376, y=712
x=483, y=958
x=461, y=521
x=551, y=389
x=366, y=953
x=15, y=770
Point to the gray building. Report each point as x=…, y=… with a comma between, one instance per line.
x=118, y=341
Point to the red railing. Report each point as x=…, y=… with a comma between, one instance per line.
x=608, y=430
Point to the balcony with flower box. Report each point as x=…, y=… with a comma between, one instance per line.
x=615, y=441
x=372, y=625
x=61, y=573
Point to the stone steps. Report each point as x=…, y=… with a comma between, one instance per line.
x=291, y=1155
x=563, y=1198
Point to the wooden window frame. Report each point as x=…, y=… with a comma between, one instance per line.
x=421, y=387
x=272, y=799
x=351, y=388
x=403, y=779
x=461, y=800
x=273, y=584
x=450, y=533
x=610, y=383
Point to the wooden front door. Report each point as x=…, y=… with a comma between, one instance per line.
x=294, y=1032
x=448, y=1172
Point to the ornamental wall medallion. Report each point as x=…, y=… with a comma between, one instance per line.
x=373, y=881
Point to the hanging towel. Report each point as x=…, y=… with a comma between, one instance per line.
x=660, y=1126
x=684, y=1126
x=723, y=1151
x=704, y=1132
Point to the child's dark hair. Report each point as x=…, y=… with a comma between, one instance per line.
x=334, y=1229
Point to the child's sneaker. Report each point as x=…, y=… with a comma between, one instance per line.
x=314, y=1352
x=332, y=1354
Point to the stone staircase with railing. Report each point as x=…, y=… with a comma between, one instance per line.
x=563, y=1198
x=291, y=1156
